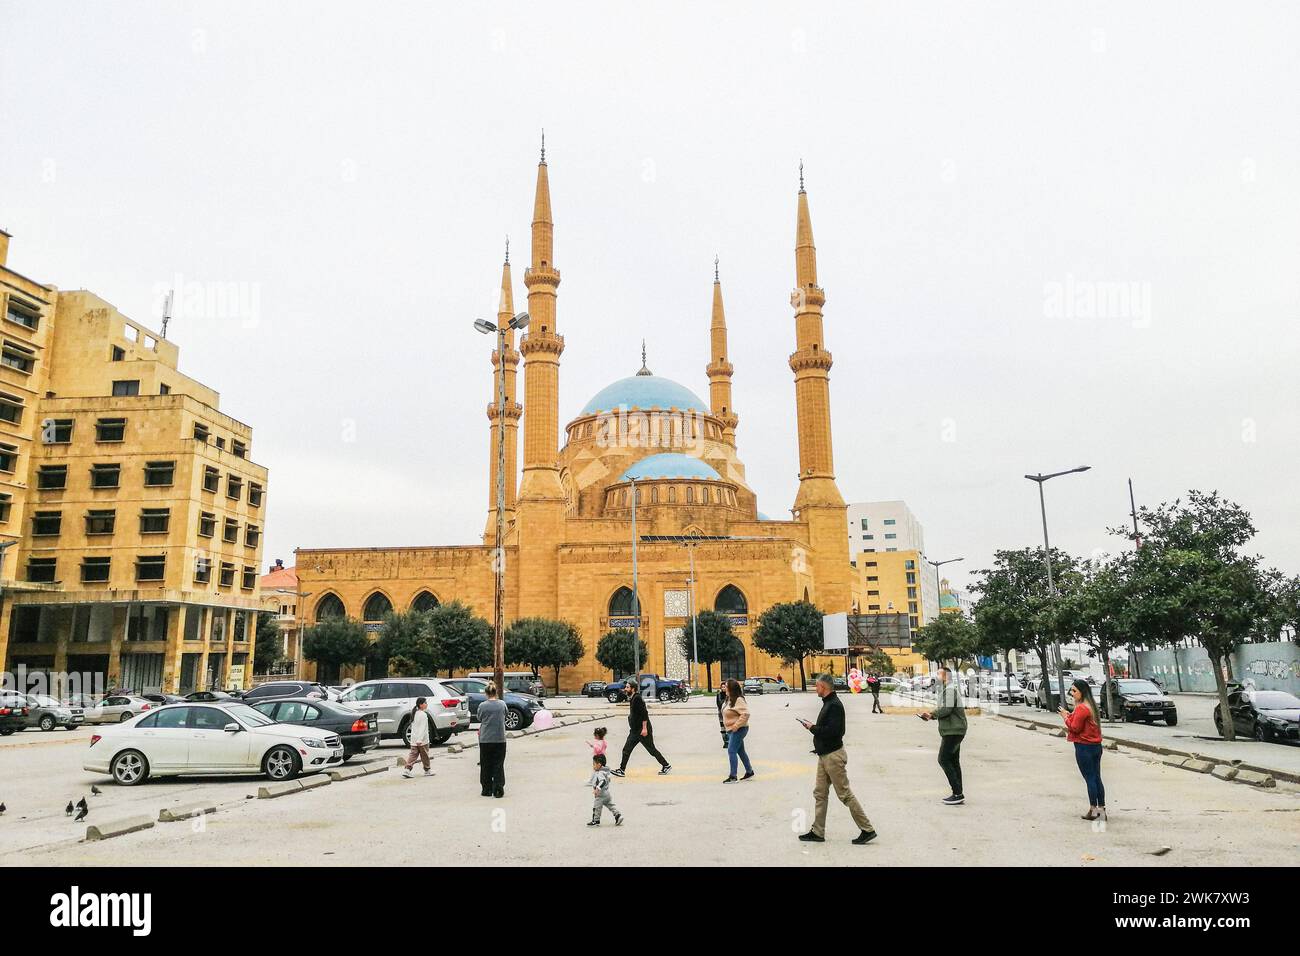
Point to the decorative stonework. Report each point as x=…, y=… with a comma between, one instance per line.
x=677, y=603
x=676, y=664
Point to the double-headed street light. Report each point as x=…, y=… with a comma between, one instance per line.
x=1041, y=479
x=518, y=321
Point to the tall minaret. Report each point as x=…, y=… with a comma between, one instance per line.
x=505, y=311
x=819, y=502
x=719, y=368
x=540, y=509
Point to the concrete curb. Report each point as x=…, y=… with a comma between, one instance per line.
x=1224, y=772
x=357, y=770
x=316, y=780
x=168, y=815
x=272, y=790
x=1254, y=778
x=105, y=831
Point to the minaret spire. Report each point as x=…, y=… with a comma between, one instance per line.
x=644, y=370
x=505, y=311
x=719, y=369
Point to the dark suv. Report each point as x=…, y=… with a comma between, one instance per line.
x=13, y=712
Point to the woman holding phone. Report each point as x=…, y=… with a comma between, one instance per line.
x=1084, y=731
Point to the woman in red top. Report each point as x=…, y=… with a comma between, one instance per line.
x=1083, y=730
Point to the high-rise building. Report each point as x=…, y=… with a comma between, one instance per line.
x=884, y=526
x=131, y=512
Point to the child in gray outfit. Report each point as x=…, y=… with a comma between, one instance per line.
x=599, y=784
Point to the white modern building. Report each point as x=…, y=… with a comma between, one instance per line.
x=884, y=526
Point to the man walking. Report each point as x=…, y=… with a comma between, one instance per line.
x=832, y=767
x=639, y=731
x=873, y=685
x=951, y=716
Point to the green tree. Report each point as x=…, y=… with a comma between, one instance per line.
x=948, y=639
x=711, y=640
x=614, y=651
x=269, y=643
x=1097, y=611
x=406, y=635
x=542, y=642
x=461, y=639
x=335, y=642
x=791, y=631
x=878, y=662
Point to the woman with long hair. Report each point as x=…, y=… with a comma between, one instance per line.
x=1083, y=729
x=735, y=721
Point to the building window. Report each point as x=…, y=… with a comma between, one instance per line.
x=909, y=565
x=227, y=578
x=255, y=494
x=220, y=442
x=915, y=622
x=890, y=537
x=41, y=570
x=207, y=524
x=873, y=577
x=868, y=537
x=201, y=432
x=94, y=570
x=23, y=313
x=234, y=487
x=252, y=535
x=105, y=475
x=11, y=408
x=202, y=569
x=864, y=524
x=150, y=567
x=911, y=577
x=6, y=505
x=159, y=474
x=101, y=521
x=871, y=564
x=211, y=478
x=873, y=594
x=873, y=607
x=230, y=534
x=238, y=448
x=890, y=521
x=129, y=386
x=18, y=357
x=911, y=592
x=56, y=431
x=911, y=607
x=164, y=389
x=250, y=578
x=47, y=523
x=110, y=429
x=52, y=477
x=116, y=353
x=155, y=520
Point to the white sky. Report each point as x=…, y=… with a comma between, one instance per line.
x=353, y=170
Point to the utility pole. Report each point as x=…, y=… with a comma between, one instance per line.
x=636, y=599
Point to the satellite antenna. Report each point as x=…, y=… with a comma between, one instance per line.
x=167, y=312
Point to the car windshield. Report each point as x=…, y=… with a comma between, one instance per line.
x=1276, y=700
x=43, y=701
x=1138, y=687
x=247, y=715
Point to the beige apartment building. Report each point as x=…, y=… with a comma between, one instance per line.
x=131, y=511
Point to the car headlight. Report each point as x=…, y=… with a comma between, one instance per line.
x=314, y=742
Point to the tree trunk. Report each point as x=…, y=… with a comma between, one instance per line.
x=557, y=681
x=803, y=678
x=1109, y=682
x=1046, y=679
x=1229, y=729
x=708, y=675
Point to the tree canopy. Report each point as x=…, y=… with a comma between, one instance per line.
x=614, y=652
x=712, y=640
x=539, y=642
x=791, y=632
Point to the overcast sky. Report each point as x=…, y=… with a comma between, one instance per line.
x=1050, y=234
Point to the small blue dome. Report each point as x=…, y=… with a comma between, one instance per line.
x=670, y=465
x=645, y=391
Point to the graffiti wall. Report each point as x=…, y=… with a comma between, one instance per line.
x=1274, y=666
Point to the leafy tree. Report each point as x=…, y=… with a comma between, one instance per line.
x=406, y=636
x=614, y=651
x=791, y=631
x=948, y=639
x=1098, y=611
x=335, y=642
x=711, y=641
x=878, y=662
x=268, y=647
x=541, y=642
x=400, y=666
x=461, y=639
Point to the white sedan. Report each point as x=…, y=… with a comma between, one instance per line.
x=115, y=708
x=209, y=740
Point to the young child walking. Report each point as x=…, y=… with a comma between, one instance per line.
x=597, y=742
x=602, y=797
x=421, y=734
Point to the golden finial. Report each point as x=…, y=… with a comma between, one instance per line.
x=543, y=146
x=715, y=268
x=507, y=249
x=801, y=189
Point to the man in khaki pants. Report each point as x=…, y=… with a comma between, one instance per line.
x=832, y=767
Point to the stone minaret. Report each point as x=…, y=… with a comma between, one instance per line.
x=505, y=311
x=719, y=368
x=819, y=502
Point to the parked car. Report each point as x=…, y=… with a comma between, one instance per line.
x=116, y=708
x=593, y=688
x=1138, y=699
x=520, y=682
x=1263, y=714
x=206, y=696
x=274, y=689
x=664, y=688
x=766, y=685
x=13, y=712
x=359, y=732
x=159, y=698
x=520, y=708
x=209, y=740
x=394, y=700
x=999, y=687
x=45, y=712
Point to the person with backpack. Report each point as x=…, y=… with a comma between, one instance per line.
x=951, y=717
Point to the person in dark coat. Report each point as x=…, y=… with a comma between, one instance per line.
x=832, y=766
x=639, y=732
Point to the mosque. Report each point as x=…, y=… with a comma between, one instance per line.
x=568, y=513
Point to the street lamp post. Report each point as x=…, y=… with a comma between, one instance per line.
x=938, y=592
x=1042, y=479
x=518, y=321
x=695, y=640
x=636, y=599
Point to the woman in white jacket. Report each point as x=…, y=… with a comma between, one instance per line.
x=421, y=734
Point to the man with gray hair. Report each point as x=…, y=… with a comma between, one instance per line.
x=832, y=766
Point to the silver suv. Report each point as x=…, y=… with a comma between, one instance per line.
x=393, y=699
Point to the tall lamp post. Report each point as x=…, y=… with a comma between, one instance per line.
x=1040, y=480
x=938, y=592
x=519, y=321
x=695, y=640
x=636, y=599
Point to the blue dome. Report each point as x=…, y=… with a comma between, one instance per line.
x=670, y=465
x=645, y=391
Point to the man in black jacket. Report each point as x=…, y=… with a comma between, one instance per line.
x=639, y=731
x=832, y=767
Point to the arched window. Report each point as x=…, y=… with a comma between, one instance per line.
x=620, y=605
x=377, y=605
x=731, y=601
x=329, y=606
x=424, y=601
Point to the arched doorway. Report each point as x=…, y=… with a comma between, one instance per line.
x=731, y=602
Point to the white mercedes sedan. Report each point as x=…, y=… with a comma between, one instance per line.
x=200, y=740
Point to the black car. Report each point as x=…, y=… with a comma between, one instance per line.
x=359, y=732
x=161, y=698
x=593, y=688
x=1262, y=714
x=520, y=708
x=277, y=689
x=208, y=696
x=13, y=712
x=1137, y=699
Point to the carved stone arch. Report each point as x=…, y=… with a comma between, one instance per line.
x=375, y=606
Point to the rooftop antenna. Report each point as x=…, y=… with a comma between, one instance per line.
x=167, y=311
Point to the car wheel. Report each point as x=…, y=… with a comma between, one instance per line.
x=1218, y=724
x=47, y=723
x=440, y=737
x=514, y=718
x=1172, y=720
x=281, y=763
x=125, y=717
x=613, y=697
x=785, y=690
x=1262, y=733
x=405, y=732
x=129, y=768
x=8, y=731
